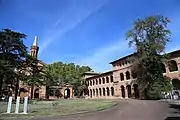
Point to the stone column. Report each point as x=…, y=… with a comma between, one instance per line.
x=132, y=92
x=110, y=92
x=126, y=93
x=178, y=63
x=120, y=94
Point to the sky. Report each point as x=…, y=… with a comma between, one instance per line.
x=85, y=32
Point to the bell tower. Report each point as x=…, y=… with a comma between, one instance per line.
x=34, y=48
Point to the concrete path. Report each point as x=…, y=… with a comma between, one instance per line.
x=125, y=110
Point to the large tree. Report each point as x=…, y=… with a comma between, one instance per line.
x=60, y=73
x=12, y=54
x=149, y=36
x=33, y=73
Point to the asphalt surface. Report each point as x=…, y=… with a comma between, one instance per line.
x=128, y=110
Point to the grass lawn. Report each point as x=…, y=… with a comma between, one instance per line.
x=60, y=107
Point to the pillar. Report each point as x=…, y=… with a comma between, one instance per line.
x=126, y=93
x=120, y=94
x=132, y=92
x=110, y=95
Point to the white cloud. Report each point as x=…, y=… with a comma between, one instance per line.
x=66, y=23
x=100, y=57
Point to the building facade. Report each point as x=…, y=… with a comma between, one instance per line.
x=39, y=92
x=121, y=82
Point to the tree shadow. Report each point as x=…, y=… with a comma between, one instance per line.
x=172, y=118
x=176, y=107
x=175, y=112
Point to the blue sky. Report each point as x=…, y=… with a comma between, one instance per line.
x=86, y=32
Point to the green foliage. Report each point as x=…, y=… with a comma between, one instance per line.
x=12, y=54
x=16, y=64
x=149, y=36
x=61, y=73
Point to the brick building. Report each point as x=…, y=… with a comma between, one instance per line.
x=120, y=82
x=40, y=91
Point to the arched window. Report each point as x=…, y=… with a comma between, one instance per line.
x=122, y=91
x=112, y=91
x=163, y=68
x=96, y=81
x=107, y=79
x=93, y=92
x=90, y=82
x=136, y=91
x=133, y=74
x=121, y=76
x=104, y=92
x=107, y=91
x=99, y=80
x=96, y=92
x=103, y=80
x=93, y=82
x=128, y=87
x=176, y=84
x=173, y=66
x=100, y=92
x=111, y=77
x=90, y=93
x=127, y=75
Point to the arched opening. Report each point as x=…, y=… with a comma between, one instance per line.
x=107, y=79
x=36, y=93
x=121, y=76
x=90, y=83
x=133, y=74
x=104, y=92
x=96, y=92
x=96, y=81
x=163, y=68
x=93, y=92
x=122, y=91
x=136, y=91
x=176, y=84
x=67, y=93
x=103, y=80
x=99, y=80
x=111, y=77
x=128, y=87
x=93, y=82
x=173, y=66
x=90, y=93
x=107, y=91
x=127, y=75
x=112, y=91
x=100, y=92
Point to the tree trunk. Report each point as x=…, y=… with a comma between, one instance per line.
x=1, y=83
x=47, y=92
x=32, y=91
x=17, y=87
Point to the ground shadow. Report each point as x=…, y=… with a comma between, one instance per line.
x=172, y=118
x=175, y=112
x=176, y=107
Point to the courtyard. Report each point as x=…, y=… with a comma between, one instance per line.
x=57, y=107
x=131, y=109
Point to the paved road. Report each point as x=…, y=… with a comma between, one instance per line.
x=125, y=110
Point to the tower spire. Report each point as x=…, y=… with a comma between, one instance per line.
x=34, y=48
x=35, y=43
